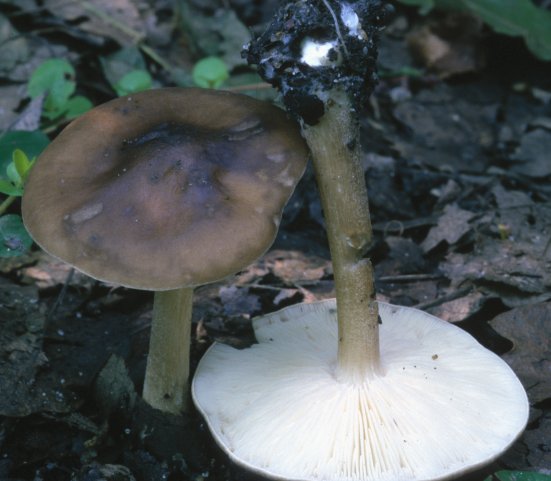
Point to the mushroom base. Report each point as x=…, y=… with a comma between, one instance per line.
x=442, y=404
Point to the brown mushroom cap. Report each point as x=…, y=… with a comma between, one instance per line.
x=166, y=188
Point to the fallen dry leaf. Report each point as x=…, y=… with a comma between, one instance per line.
x=115, y=19
x=237, y=301
x=459, y=309
x=448, y=45
x=448, y=129
x=294, y=267
x=452, y=225
x=50, y=272
x=532, y=156
x=529, y=329
x=404, y=257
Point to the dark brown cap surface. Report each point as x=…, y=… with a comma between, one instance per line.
x=166, y=188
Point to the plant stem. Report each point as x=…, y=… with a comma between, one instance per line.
x=336, y=150
x=6, y=203
x=167, y=372
x=136, y=37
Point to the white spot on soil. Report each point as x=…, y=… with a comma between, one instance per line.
x=315, y=54
x=351, y=20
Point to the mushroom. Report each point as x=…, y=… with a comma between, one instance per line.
x=166, y=190
x=334, y=394
x=439, y=405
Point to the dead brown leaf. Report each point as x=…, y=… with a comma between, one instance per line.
x=115, y=19
x=448, y=46
x=459, y=309
x=294, y=267
x=50, y=272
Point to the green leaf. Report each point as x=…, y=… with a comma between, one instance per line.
x=6, y=187
x=29, y=145
x=76, y=106
x=210, y=72
x=56, y=78
x=21, y=162
x=521, y=476
x=32, y=143
x=517, y=18
x=119, y=63
x=47, y=74
x=14, y=238
x=56, y=103
x=132, y=82
x=13, y=175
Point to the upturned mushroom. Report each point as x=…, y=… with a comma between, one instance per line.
x=329, y=393
x=166, y=190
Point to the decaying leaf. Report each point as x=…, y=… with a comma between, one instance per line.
x=113, y=388
x=103, y=18
x=404, y=257
x=532, y=156
x=448, y=45
x=503, y=271
x=105, y=472
x=49, y=272
x=15, y=47
x=450, y=128
x=508, y=257
x=219, y=33
x=459, y=309
x=540, y=438
x=452, y=226
x=237, y=301
x=25, y=383
x=529, y=329
x=294, y=267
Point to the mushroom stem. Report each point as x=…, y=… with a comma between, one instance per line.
x=334, y=143
x=167, y=372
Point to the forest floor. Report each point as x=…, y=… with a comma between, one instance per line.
x=456, y=156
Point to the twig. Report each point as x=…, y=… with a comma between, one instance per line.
x=136, y=37
x=337, y=28
x=442, y=300
x=405, y=225
x=546, y=249
x=410, y=278
x=61, y=295
x=6, y=203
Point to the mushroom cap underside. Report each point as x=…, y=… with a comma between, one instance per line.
x=165, y=188
x=443, y=405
